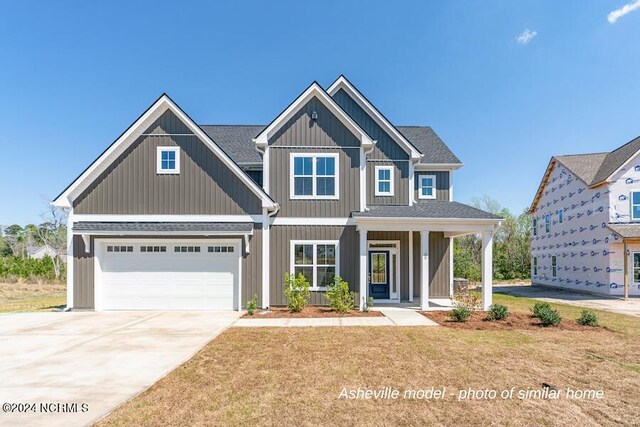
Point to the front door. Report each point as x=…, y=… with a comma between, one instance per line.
x=379, y=274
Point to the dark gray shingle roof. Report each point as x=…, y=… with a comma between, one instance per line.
x=237, y=142
x=142, y=227
x=431, y=209
x=615, y=159
x=428, y=143
x=626, y=230
x=584, y=166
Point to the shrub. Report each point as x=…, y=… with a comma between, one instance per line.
x=367, y=304
x=296, y=289
x=539, y=306
x=339, y=296
x=468, y=299
x=252, y=304
x=498, y=312
x=460, y=314
x=549, y=317
x=588, y=318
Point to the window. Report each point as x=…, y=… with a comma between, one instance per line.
x=153, y=249
x=635, y=205
x=534, y=226
x=636, y=267
x=317, y=261
x=314, y=176
x=384, y=180
x=220, y=249
x=547, y=223
x=186, y=248
x=554, y=265
x=535, y=265
x=119, y=248
x=168, y=160
x=561, y=216
x=426, y=186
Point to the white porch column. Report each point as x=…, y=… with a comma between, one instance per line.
x=70, y=251
x=424, y=269
x=266, y=254
x=411, y=265
x=487, y=269
x=363, y=268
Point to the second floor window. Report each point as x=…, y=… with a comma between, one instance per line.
x=314, y=176
x=635, y=206
x=426, y=186
x=384, y=180
x=534, y=226
x=168, y=161
x=547, y=223
x=561, y=216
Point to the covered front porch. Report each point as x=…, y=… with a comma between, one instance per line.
x=407, y=259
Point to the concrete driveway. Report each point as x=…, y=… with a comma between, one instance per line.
x=96, y=359
x=580, y=299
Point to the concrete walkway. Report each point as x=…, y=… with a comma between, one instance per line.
x=630, y=307
x=393, y=316
x=96, y=359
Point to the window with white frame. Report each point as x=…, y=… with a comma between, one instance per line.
x=314, y=176
x=384, y=180
x=547, y=223
x=554, y=266
x=635, y=205
x=426, y=186
x=168, y=160
x=315, y=260
x=534, y=226
x=535, y=265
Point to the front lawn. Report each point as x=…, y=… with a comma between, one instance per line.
x=18, y=297
x=294, y=376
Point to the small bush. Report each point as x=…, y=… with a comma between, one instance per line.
x=468, y=299
x=588, y=318
x=296, y=289
x=549, y=317
x=339, y=296
x=367, y=304
x=460, y=314
x=539, y=306
x=252, y=305
x=498, y=312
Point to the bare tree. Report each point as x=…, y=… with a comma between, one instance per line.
x=53, y=232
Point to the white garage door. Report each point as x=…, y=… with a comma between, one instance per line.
x=167, y=275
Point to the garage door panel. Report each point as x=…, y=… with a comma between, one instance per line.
x=169, y=280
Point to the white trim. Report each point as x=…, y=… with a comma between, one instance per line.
x=86, y=240
x=312, y=221
x=262, y=140
x=159, y=169
x=487, y=269
x=395, y=250
x=87, y=233
x=363, y=252
x=451, y=186
x=422, y=176
x=163, y=104
x=453, y=225
x=99, y=253
x=315, y=243
x=614, y=173
x=633, y=218
x=412, y=184
x=165, y=218
x=424, y=269
x=247, y=243
x=70, y=257
x=343, y=83
x=363, y=180
x=438, y=166
x=265, y=170
x=410, y=266
x=314, y=176
x=266, y=261
x=451, y=267
x=377, y=170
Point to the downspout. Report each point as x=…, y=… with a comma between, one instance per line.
x=626, y=270
x=363, y=180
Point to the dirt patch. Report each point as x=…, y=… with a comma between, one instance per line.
x=311, y=311
x=522, y=321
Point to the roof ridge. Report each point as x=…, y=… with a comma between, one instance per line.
x=624, y=145
x=231, y=125
x=582, y=154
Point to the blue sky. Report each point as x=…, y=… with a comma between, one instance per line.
x=73, y=77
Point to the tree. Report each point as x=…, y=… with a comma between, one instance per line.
x=15, y=238
x=53, y=232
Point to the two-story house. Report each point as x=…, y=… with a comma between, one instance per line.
x=585, y=221
x=175, y=215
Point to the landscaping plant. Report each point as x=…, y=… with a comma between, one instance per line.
x=296, y=289
x=367, y=304
x=252, y=304
x=588, y=318
x=540, y=306
x=497, y=312
x=549, y=316
x=339, y=296
x=460, y=314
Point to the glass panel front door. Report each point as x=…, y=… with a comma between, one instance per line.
x=379, y=274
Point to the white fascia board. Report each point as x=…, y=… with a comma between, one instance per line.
x=437, y=166
x=417, y=224
x=343, y=83
x=312, y=221
x=161, y=233
x=165, y=218
x=316, y=90
x=163, y=104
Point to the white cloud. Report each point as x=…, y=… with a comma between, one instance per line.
x=527, y=35
x=619, y=13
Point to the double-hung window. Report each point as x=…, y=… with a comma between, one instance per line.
x=315, y=260
x=561, y=216
x=554, y=266
x=534, y=226
x=426, y=186
x=384, y=180
x=168, y=160
x=635, y=206
x=547, y=223
x=535, y=265
x=314, y=176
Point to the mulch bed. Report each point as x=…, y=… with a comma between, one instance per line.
x=478, y=321
x=276, y=312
